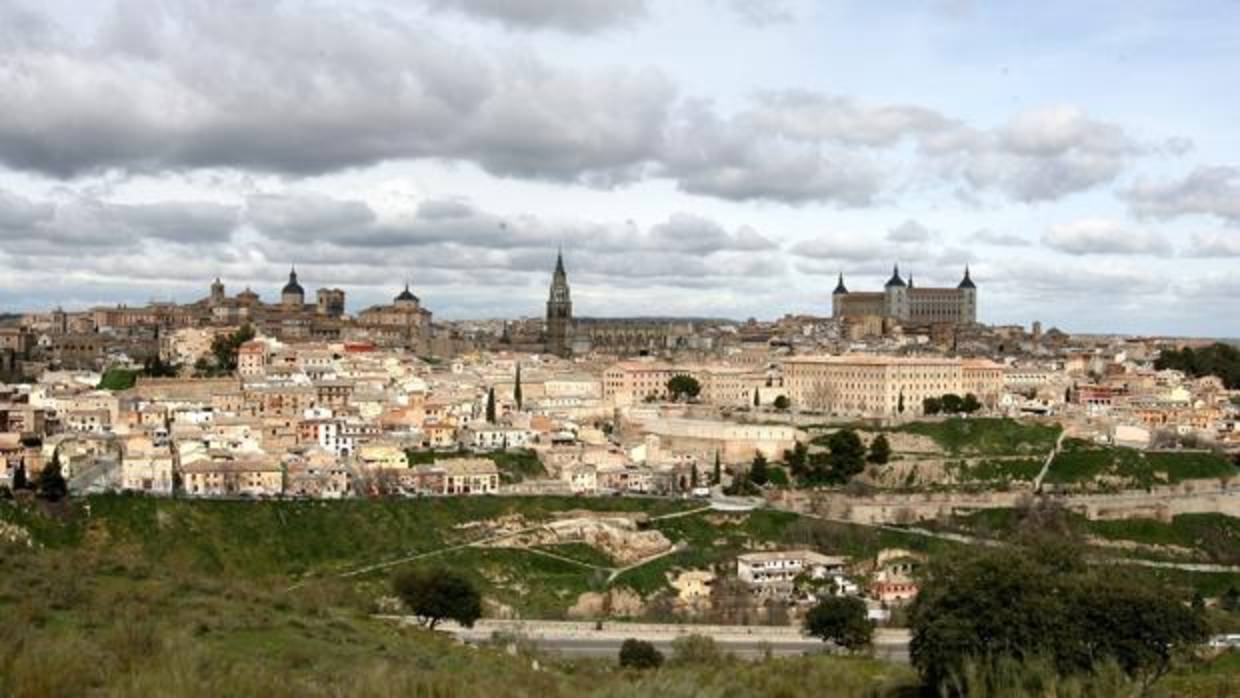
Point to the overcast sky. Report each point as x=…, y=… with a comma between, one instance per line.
x=698, y=157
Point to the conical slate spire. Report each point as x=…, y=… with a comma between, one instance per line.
x=895, y=279
x=840, y=289
x=966, y=282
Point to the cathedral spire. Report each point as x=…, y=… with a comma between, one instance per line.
x=840, y=289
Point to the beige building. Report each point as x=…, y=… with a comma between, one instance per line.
x=469, y=476
x=868, y=385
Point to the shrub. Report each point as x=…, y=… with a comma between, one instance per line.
x=696, y=650
x=841, y=620
x=438, y=594
x=639, y=654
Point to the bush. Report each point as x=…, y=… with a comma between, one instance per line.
x=880, y=450
x=842, y=620
x=439, y=594
x=639, y=654
x=1043, y=602
x=782, y=403
x=696, y=650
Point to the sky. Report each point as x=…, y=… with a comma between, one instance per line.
x=722, y=158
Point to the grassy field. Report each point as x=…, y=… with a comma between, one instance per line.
x=105, y=622
x=123, y=596
x=1081, y=461
x=290, y=540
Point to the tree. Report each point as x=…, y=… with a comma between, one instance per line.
x=842, y=620
x=51, y=484
x=639, y=654
x=970, y=404
x=717, y=475
x=757, y=398
x=693, y=477
x=932, y=405
x=516, y=388
x=439, y=594
x=847, y=455
x=758, y=474
x=490, y=406
x=952, y=403
x=224, y=349
x=1230, y=601
x=796, y=459
x=880, y=450
x=683, y=386
x=1043, y=601
x=18, y=478
x=900, y=403
x=782, y=402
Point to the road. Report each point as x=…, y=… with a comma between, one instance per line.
x=586, y=639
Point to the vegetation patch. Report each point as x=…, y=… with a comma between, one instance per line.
x=1082, y=461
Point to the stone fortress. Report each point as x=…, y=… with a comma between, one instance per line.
x=906, y=304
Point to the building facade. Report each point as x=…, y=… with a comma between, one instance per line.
x=867, y=385
x=902, y=302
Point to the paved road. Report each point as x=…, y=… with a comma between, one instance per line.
x=584, y=639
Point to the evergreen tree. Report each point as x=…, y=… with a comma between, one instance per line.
x=758, y=474
x=52, y=485
x=516, y=389
x=491, y=406
x=900, y=404
x=880, y=450
x=717, y=478
x=19, y=478
x=757, y=399
x=693, y=477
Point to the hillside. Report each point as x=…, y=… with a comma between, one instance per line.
x=125, y=596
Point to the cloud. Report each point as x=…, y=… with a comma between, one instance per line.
x=840, y=246
x=574, y=16
x=1041, y=154
x=810, y=116
x=991, y=237
x=909, y=231
x=1217, y=244
x=305, y=90
x=1211, y=191
x=761, y=13
x=310, y=90
x=1103, y=236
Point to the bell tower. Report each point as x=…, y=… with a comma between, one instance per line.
x=559, y=311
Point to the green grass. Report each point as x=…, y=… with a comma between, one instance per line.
x=986, y=436
x=292, y=539
x=998, y=470
x=1217, y=536
x=582, y=552
x=1081, y=461
x=118, y=379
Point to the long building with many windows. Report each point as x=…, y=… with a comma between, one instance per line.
x=866, y=385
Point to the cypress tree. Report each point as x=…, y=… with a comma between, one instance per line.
x=757, y=400
x=718, y=475
x=19, y=477
x=52, y=485
x=516, y=390
x=491, y=406
x=693, y=477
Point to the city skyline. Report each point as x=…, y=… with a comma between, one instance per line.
x=732, y=172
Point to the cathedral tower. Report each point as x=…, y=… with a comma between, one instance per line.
x=559, y=311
